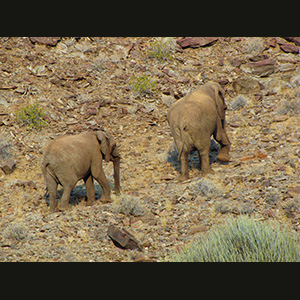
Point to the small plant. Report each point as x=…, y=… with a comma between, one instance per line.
x=290, y=107
x=129, y=205
x=142, y=85
x=32, y=116
x=161, y=49
x=243, y=239
x=238, y=102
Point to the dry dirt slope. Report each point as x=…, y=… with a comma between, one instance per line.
x=88, y=83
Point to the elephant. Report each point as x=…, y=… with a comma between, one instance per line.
x=193, y=119
x=70, y=158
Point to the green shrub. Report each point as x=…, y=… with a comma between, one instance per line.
x=161, y=49
x=142, y=85
x=243, y=240
x=32, y=116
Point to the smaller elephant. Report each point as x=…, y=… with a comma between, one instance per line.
x=70, y=158
x=193, y=120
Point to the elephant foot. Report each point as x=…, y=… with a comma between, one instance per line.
x=208, y=171
x=64, y=207
x=181, y=178
x=53, y=210
x=90, y=203
x=223, y=155
x=105, y=200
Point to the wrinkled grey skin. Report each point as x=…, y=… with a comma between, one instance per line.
x=193, y=120
x=70, y=158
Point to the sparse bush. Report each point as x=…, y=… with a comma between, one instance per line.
x=128, y=205
x=204, y=187
x=290, y=107
x=272, y=197
x=5, y=147
x=142, y=85
x=17, y=232
x=291, y=206
x=243, y=240
x=32, y=116
x=295, y=81
x=161, y=49
x=238, y=102
x=222, y=207
x=255, y=45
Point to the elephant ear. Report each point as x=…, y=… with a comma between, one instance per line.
x=105, y=141
x=219, y=100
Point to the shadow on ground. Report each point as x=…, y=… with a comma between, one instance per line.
x=193, y=157
x=78, y=194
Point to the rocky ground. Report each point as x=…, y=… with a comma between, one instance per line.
x=91, y=83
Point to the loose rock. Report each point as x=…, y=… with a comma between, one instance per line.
x=49, y=41
x=8, y=166
x=123, y=239
x=263, y=68
x=195, y=42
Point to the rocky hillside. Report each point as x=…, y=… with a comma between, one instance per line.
x=125, y=86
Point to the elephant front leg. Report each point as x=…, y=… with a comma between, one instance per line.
x=98, y=173
x=90, y=190
x=225, y=147
x=64, y=201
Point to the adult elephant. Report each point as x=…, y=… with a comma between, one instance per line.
x=193, y=120
x=70, y=158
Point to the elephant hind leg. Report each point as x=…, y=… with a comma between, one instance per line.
x=203, y=151
x=184, y=167
x=52, y=188
x=68, y=184
x=64, y=201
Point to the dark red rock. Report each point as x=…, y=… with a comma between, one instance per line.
x=29, y=183
x=195, y=42
x=49, y=41
x=169, y=72
x=289, y=48
x=269, y=213
x=123, y=239
x=271, y=42
x=246, y=85
x=295, y=40
x=91, y=111
x=264, y=67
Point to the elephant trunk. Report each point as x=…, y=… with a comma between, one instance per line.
x=116, y=162
x=108, y=152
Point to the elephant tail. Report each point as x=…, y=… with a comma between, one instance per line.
x=47, y=170
x=180, y=152
x=182, y=131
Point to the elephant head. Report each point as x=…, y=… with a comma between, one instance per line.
x=110, y=152
x=107, y=144
x=218, y=96
x=217, y=93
